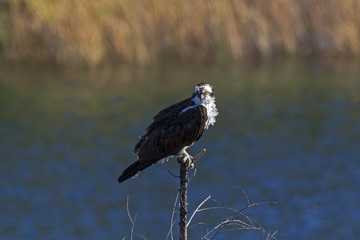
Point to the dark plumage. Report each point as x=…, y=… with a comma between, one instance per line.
x=173, y=130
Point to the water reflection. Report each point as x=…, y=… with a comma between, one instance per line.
x=283, y=130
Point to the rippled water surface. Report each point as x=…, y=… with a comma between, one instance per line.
x=286, y=133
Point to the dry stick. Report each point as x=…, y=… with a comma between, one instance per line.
x=183, y=197
x=198, y=209
x=170, y=233
x=184, y=180
x=131, y=219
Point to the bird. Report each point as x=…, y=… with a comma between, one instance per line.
x=174, y=129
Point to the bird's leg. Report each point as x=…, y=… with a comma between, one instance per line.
x=188, y=158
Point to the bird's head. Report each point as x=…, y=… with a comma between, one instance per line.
x=203, y=93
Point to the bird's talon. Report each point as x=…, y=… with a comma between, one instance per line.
x=191, y=166
x=189, y=162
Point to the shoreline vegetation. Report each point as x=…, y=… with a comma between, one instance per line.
x=92, y=32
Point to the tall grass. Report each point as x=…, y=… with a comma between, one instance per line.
x=150, y=31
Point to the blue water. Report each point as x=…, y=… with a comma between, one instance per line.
x=287, y=138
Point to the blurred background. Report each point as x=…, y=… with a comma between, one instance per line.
x=81, y=80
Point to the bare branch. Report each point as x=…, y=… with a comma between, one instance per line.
x=172, y=222
x=199, y=155
x=185, y=163
x=271, y=235
x=231, y=224
x=137, y=235
x=240, y=225
x=197, y=209
x=184, y=169
x=172, y=174
x=132, y=220
x=246, y=196
x=132, y=228
x=127, y=209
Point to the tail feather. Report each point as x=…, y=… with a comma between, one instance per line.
x=133, y=170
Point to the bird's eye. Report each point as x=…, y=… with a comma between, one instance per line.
x=206, y=93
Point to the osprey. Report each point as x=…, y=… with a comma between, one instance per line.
x=174, y=129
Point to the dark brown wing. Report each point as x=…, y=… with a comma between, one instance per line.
x=174, y=109
x=162, y=116
x=171, y=132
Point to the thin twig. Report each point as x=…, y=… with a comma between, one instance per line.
x=199, y=155
x=132, y=228
x=246, y=196
x=197, y=209
x=127, y=209
x=172, y=174
x=229, y=220
x=131, y=219
x=137, y=235
x=271, y=235
x=172, y=222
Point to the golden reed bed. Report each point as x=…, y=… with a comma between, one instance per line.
x=202, y=31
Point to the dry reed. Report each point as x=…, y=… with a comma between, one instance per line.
x=202, y=31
